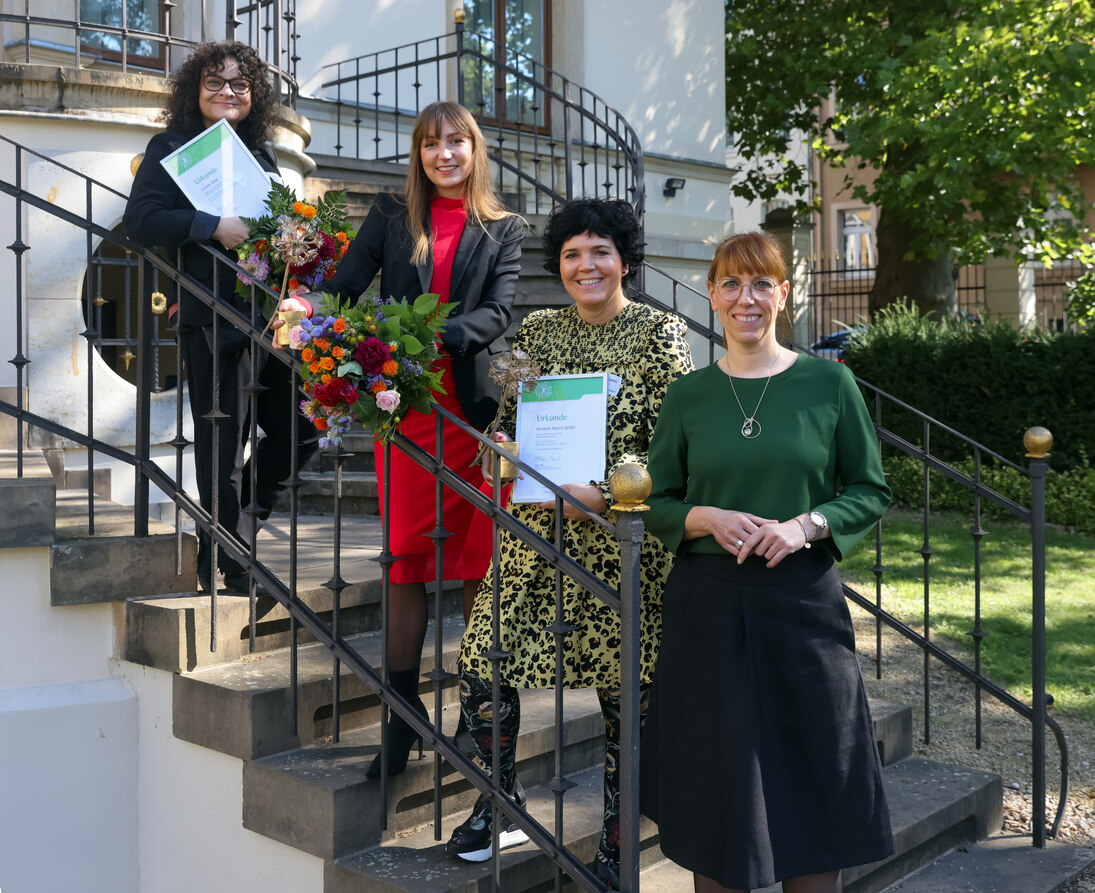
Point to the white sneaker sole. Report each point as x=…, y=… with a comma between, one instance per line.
x=506, y=839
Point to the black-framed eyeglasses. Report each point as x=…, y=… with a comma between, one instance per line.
x=214, y=84
x=763, y=289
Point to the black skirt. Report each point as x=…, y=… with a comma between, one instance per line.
x=758, y=759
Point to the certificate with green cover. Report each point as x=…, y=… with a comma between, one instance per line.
x=219, y=175
x=561, y=431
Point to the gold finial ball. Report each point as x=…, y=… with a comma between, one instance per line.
x=630, y=484
x=136, y=163
x=458, y=15
x=1037, y=440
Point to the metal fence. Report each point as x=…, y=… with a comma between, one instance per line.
x=838, y=294
x=550, y=138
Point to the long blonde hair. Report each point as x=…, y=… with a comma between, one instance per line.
x=480, y=202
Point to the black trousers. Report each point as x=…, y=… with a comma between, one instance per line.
x=278, y=416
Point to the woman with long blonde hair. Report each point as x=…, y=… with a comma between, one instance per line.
x=448, y=235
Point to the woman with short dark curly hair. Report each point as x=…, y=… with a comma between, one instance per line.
x=607, y=217
x=594, y=246
x=220, y=81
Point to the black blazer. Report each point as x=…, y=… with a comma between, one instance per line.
x=483, y=284
x=160, y=216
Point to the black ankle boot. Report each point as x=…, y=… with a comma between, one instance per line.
x=401, y=737
x=473, y=841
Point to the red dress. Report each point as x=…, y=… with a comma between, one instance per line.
x=467, y=552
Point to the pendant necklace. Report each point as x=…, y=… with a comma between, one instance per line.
x=750, y=428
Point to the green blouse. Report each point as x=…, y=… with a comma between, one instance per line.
x=817, y=450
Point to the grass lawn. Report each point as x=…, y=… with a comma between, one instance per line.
x=1005, y=598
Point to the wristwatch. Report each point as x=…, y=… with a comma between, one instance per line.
x=820, y=522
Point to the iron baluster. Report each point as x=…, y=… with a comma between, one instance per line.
x=559, y=784
x=977, y=633
x=1038, y=441
x=926, y=552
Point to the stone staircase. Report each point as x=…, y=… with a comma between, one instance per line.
x=307, y=791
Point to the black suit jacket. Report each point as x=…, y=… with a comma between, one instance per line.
x=160, y=216
x=483, y=284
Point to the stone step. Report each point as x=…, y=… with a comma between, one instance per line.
x=92, y=563
x=415, y=862
x=318, y=799
x=933, y=807
x=1001, y=864
x=173, y=634
x=360, y=494
x=244, y=708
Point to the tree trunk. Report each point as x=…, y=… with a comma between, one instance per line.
x=930, y=284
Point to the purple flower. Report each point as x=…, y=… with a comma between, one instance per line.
x=257, y=267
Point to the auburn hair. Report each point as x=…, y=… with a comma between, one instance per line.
x=755, y=253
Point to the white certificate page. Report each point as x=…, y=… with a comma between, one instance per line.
x=561, y=432
x=218, y=174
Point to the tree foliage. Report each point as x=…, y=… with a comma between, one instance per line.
x=975, y=115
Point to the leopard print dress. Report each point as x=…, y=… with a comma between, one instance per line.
x=646, y=348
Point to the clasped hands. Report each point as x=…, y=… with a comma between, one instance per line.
x=586, y=493
x=743, y=534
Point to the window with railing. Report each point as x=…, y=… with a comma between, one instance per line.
x=508, y=38
x=119, y=17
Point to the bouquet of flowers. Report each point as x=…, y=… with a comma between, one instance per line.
x=296, y=247
x=373, y=361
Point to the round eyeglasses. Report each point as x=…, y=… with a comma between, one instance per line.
x=214, y=84
x=763, y=289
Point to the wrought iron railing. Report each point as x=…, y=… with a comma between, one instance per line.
x=131, y=40
x=555, y=140
x=838, y=294
x=25, y=205
x=660, y=289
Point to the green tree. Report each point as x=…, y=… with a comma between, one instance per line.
x=975, y=116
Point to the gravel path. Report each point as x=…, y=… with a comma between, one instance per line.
x=1006, y=739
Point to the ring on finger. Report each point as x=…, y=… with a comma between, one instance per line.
x=741, y=543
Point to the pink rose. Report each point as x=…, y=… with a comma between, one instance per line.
x=387, y=401
x=294, y=338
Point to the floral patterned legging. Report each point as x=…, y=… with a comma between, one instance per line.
x=476, y=704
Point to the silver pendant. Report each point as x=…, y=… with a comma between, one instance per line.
x=750, y=429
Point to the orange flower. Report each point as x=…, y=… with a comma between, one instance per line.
x=339, y=325
x=262, y=246
x=293, y=284
x=307, y=355
x=378, y=387
x=321, y=343
x=314, y=368
x=389, y=368
x=308, y=211
x=326, y=378
x=321, y=424
x=326, y=364
x=337, y=352
x=342, y=251
x=342, y=237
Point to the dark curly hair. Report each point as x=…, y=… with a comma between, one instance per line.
x=183, y=113
x=608, y=218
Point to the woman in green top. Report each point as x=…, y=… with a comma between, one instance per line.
x=755, y=460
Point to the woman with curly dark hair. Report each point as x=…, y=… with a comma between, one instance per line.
x=219, y=81
x=595, y=247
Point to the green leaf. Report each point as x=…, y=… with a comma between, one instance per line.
x=411, y=345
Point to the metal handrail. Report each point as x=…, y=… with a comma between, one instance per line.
x=598, y=149
x=269, y=26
